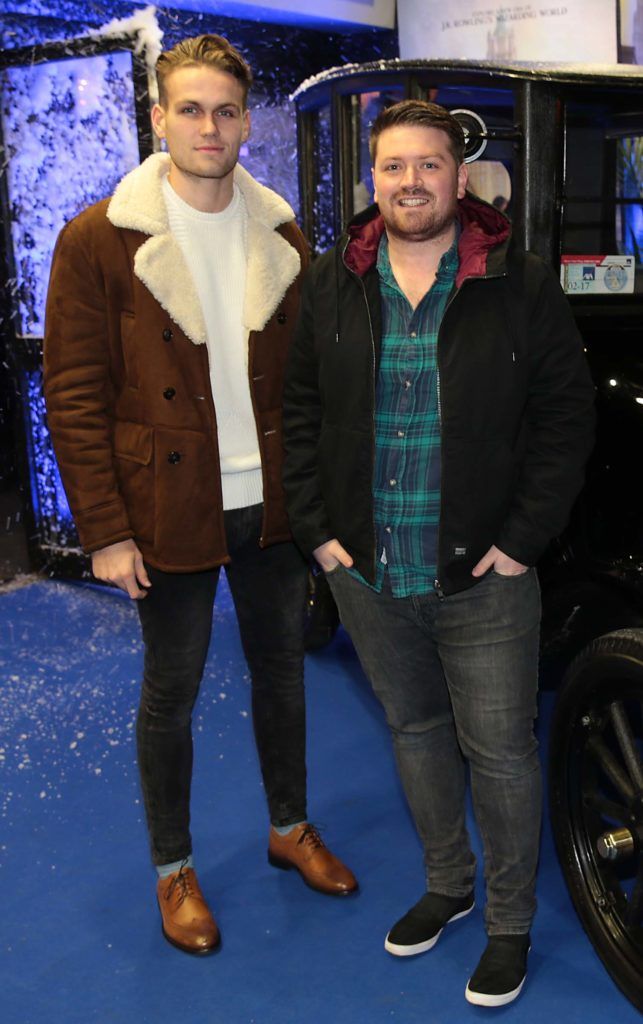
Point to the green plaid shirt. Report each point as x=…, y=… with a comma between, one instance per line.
x=406, y=487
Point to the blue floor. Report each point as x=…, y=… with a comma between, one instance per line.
x=79, y=931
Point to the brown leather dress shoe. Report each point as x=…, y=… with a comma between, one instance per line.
x=304, y=849
x=187, y=921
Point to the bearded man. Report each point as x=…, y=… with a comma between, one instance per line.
x=438, y=414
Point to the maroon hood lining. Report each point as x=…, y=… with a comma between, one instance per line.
x=482, y=229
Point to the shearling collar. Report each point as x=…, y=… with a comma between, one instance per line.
x=273, y=264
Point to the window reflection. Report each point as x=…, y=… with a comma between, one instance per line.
x=490, y=180
x=366, y=106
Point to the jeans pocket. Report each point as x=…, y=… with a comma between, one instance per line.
x=510, y=575
x=331, y=572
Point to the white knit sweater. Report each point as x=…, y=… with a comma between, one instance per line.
x=214, y=247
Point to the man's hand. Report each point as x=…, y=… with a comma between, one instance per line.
x=330, y=554
x=502, y=564
x=122, y=565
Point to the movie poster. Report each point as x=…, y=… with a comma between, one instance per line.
x=631, y=31
x=508, y=30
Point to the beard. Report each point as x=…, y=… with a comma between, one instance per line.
x=421, y=223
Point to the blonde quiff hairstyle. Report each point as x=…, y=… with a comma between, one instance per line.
x=208, y=51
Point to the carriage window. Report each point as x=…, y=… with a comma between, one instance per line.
x=629, y=196
x=603, y=201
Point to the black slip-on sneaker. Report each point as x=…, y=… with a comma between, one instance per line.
x=420, y=929
x=501, y=973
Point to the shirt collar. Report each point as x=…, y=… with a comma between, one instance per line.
x=448, y=264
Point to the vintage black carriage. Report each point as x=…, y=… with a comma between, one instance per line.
x=561, y=148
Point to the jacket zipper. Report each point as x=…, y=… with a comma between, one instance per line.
x=370, y=327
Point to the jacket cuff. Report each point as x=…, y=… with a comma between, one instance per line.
x=106, y=524
x=525, y=552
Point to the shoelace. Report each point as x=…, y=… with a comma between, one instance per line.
x=310, y=837
x=183, y=883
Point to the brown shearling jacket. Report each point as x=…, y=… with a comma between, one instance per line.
x=127, y=379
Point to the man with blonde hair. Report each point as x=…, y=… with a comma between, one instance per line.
x=169, y=316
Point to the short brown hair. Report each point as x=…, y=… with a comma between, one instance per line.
x=423, y=114
x=209, y=51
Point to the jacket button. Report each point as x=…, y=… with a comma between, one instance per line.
x=167, y=334
x=169, y=393
x=281, y=317
x=174, y=457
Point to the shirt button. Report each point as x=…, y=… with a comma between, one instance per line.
x=400, y=433
x=392, y=482
x=388, y=529
x=413, y=334
x=167, y=334
x=169, y=394
x=174, y=457
x=407, y=384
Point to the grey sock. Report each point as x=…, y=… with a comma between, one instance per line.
x=284, y=830
x=163, y=870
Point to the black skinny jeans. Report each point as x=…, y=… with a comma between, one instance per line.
x=268, y=588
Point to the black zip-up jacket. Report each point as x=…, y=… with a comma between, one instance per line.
x=516, y=399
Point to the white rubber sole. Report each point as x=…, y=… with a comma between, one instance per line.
x=422, y=947
x=485, y=999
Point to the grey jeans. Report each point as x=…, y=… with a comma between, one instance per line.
x=458, y=680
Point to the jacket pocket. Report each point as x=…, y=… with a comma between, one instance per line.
x=134, y=442
x=478, y=482
x=133, y=450
x=189, y=521
x=128, y=344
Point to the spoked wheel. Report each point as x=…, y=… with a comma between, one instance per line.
x=596, y=799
